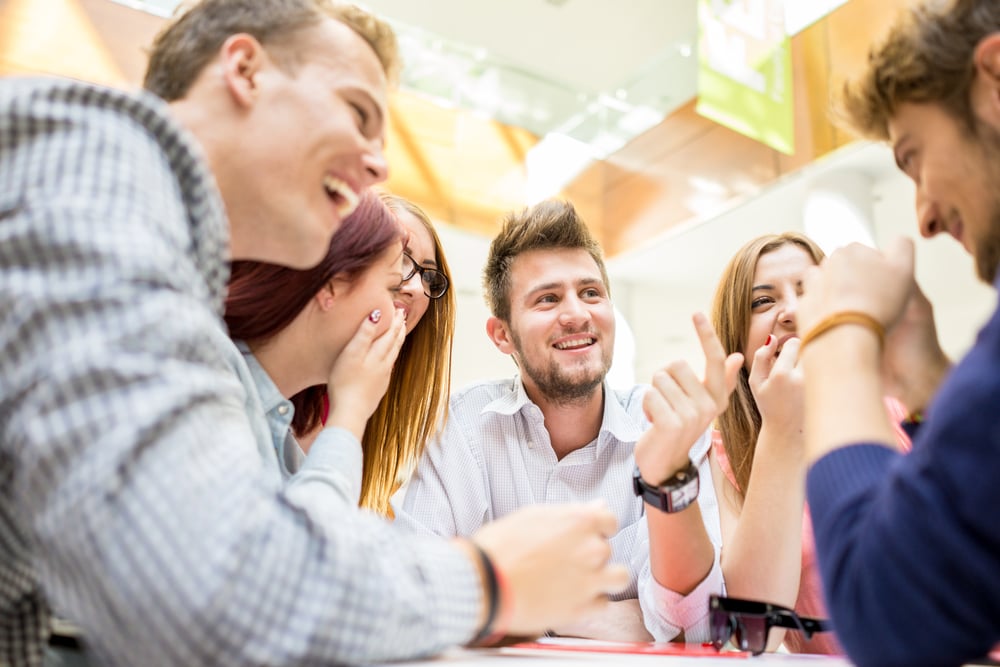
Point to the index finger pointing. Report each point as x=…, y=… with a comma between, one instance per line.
x=715, y=355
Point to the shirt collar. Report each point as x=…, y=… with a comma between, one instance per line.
x=616, y=422
x=270, y=398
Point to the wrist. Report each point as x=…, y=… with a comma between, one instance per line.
x=496, y=611
x=672, y=495
x=839, y=350
x=843, y=319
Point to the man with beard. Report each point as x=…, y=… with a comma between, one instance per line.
x=559, y=432
x=909, y=546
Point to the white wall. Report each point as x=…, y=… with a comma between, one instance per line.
x=670, y=279
x=474, y=356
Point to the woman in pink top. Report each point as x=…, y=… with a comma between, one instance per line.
x=759, y=466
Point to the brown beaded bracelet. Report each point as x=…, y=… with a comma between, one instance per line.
x=845, y=317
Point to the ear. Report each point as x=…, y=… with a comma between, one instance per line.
x=499, y=333
x=242, y=59
x=327, y=296
x=986, y=86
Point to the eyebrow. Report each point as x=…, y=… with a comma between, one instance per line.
x=580, y=282
x=759, y=288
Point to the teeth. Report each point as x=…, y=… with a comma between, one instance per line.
x=349, y=198
x=569, y=345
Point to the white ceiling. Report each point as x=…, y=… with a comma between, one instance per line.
x=598, y=72
x=592, y=45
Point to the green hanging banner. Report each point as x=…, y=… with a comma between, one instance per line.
x=745, y=70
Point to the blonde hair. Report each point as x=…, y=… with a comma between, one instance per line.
x=926, y=57
x=182, y=49
x=416, y=402
x=740, y=423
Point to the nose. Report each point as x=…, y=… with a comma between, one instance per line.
x=789, y=310
x=376, y=168
x=573, y=311
x=412, y=286
x=928, y=216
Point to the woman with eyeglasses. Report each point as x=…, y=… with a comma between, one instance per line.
x=759, y=465
x=417, y=398
x=415, y=387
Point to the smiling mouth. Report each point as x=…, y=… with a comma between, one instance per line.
x=342, y=195
x=576, y=343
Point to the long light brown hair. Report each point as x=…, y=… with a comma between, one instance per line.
x=740, y=423
x=416, y=402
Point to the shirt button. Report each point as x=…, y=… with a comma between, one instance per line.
x=282, y=409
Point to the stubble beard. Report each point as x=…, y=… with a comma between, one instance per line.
x=556, y=384
x=987, y=252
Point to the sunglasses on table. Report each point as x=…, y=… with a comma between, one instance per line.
x=748, y=622
x=435, y=283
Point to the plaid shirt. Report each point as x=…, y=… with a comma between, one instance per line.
x=133, y=499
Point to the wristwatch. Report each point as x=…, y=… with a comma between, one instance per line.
x=673, y=495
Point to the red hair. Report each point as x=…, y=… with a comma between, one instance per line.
x=264, y=298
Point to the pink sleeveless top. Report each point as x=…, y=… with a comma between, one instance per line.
x=810, y=599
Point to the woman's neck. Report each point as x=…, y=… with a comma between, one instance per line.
x=289, y=361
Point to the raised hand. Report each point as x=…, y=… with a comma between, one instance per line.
x=859, y=278
x=554, y=560
x=360, y=376
x=776, y=383
x=680, y=407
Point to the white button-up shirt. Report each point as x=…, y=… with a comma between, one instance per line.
x=494, y=456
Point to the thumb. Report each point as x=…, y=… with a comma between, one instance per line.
x=734, y=362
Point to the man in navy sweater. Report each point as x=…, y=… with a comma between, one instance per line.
x=909, y=546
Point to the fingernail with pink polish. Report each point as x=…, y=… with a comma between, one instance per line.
x=375, y=316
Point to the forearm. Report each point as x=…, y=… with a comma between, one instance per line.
x=842, y=379
x=221, y=561
x=769, y=569
x=333, y=466
x=916, y=392
x=680, y=551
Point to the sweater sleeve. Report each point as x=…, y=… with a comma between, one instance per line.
x=909, y=545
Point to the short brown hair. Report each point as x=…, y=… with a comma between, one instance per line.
x=182, y=49
x=927, y=57
x=551, y=224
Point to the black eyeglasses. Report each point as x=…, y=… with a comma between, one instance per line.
x=748, y=622
x=435, y=282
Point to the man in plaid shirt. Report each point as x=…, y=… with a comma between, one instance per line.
x=132, y=496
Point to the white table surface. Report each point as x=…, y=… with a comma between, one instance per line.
x=526, y=657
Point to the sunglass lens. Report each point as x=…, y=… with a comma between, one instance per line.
x=751, y=634
x=722, y=628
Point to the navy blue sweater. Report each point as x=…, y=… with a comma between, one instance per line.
x=909, y=545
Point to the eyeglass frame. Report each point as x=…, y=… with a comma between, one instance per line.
x=416, y=268
x=736, y=610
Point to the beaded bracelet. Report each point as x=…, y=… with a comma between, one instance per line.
x=845, y=317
